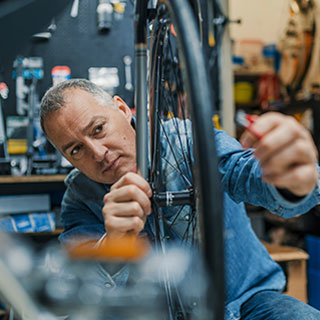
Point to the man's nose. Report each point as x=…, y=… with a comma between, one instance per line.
x=98, y=150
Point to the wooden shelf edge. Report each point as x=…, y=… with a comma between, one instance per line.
x=33, y=178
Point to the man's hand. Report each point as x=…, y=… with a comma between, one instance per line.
x=286, y=152
x=126, y=206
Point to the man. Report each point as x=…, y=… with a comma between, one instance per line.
x=107, y=199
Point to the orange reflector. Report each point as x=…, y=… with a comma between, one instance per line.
x=173, y=31
x=211, y=40
x=126, y=248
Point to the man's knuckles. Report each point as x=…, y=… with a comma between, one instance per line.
x=302, y=180
x=295, y=129
x=110, y=224
x=264, y=146
x=107, y=197
x=137, y=224
x=129, y=178
x=136, y=209
x=132, y=191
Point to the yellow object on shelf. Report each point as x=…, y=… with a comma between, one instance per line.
x=17, y=146
x=216, y=122
x=243, y=92
x=119, y=7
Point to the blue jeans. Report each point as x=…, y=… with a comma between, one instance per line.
x=273, y=305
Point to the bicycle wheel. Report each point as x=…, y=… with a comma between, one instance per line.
x=184, y=166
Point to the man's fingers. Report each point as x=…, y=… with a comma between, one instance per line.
x=280, y=138
x=128, y=194
x=130, y=209
x=300, y=180
x=127, y=205
x=276, y=130
x=117, y=225
x=297, y=153
x=248, y=140
x=263, y=124
x=135, y=179
x=286, y=152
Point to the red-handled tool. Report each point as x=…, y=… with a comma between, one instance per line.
x=246, y=120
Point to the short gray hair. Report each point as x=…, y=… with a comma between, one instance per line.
x=54, y=99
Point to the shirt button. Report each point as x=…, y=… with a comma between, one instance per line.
x=187, y=217
x=108, y=285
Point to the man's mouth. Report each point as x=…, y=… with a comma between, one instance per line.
x=112, y=165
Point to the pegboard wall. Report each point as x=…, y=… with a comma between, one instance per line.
x=77, y=43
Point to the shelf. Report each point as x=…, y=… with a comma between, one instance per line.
x=282, y=253
x=33, y=178
x=247, y=73
x=40, y=240
x=31, y=184
x=249, y=105
x=43, y=234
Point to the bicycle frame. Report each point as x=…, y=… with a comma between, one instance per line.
x=140, y=56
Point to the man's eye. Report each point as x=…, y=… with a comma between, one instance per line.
x=98, y=129
x=75, y=150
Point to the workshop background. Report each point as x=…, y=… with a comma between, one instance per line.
x=275, y=65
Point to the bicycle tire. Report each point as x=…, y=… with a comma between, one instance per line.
x=203, y=195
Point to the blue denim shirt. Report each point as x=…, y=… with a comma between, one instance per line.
x=249, y=268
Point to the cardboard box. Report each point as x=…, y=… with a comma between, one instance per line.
x=32, y=222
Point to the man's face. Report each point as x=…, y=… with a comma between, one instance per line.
x=98, y=140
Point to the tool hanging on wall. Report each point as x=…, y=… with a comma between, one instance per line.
x=60, y=73
x=46, y=35
x=25, y=70
x=6, y=164
x=127, y=60
x=27, y=73
x=21, y=89
x=104, y=15
x=74, y=9
x=105, y=77
x=4, y=91
x=118, y=8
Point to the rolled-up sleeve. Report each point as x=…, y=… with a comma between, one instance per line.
x=80, y=224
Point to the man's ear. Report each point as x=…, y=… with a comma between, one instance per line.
x=123, y=107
